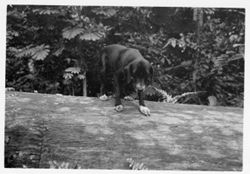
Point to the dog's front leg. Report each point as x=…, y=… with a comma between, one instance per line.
x=118, y=86
x=143, y=109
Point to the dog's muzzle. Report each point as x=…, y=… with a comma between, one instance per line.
x=140, y=87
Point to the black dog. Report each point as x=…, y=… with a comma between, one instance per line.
x=128, y=68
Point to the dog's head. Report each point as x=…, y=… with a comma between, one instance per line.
x=140, y=73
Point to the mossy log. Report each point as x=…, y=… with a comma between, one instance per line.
x=88, y=132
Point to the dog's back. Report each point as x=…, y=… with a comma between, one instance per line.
x=117, y=56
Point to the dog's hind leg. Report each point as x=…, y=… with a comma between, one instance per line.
x=103, y=75
x=118, y=90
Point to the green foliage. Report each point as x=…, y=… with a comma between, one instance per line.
x=70, y=33
x=221, y=60
x=39, y=52
x=48, y=32
x=215, y=64
x=53, y=49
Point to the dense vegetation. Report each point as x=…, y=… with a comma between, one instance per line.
x=55, y=49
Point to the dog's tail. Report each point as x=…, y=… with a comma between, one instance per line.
x=102, y=61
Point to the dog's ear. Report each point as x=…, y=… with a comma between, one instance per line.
x=127, y=72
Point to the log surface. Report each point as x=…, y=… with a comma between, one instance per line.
x=90, y=133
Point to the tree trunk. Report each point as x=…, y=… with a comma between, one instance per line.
x=84, y=87
x=198, y=17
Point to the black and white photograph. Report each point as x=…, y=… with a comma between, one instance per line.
x=124, y=87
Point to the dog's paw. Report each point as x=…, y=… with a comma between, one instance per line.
x=128, y=98
x=144, y=110
x=104, y=97
x=119, y=108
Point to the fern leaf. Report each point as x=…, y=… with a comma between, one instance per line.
x=90, y=36
x=27, y=51
x=94, y=32
x=176, y=98
x=49, y=12
x=167, y=98
x=46, y=11
x=81, y=76
x=134, y=165
x=106, y=11
x=184, y=95
x=70, y=33
x=59, y=51
x=67, y=76
x=73, y=70
x=40, y=52
x=13, y=51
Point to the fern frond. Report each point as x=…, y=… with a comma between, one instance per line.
x=59, y=51
x=39, y=52
x=176, y=98
x=136, y=165
x=170, y=99
x=73, y=70
x=106, y=11
x=46, y=11
x=70, y=33
x=90, y=36
x=67, y=76
x=166, y=97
